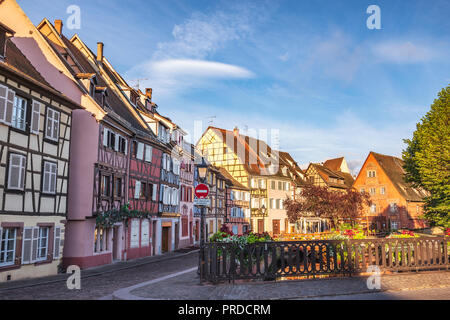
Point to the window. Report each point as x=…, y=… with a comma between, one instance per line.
x=118, y=187
x=122, y=147
x=100, y=240
x=235, y=230
x=363, y=190
x=372, y=191
x=105, y=186
x=16, y=173
x=52, y=124
x=272, y=185
x=42, y=244
x=382, y=190
x=271, y=204
x=49, y=177
x=371, y=173
x=2, y=43
x=373, y=208
x=143, y=191
x=109, y=139
x=7, y=246
x=19, y=113
x=140, y=151
x=393, y=207
x=280, y=185
x=148, y=153
x=278, y=202
x=287, y=186
x=394, y=225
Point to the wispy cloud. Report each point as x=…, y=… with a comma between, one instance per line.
x=403, y=52
x=199, y=68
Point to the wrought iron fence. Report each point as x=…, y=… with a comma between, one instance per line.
x=272, y=260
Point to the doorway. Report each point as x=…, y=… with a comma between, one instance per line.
x=115, y=244
x=154, y=237
x=165, y=237
x=177, y=235
x=260, y=225
x=276, y=227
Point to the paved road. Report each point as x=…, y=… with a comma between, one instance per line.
x=97, y=287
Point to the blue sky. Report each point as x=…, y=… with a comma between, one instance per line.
x=310, y=69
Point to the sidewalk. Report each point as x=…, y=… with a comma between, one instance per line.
x=185, y=286
x=96, y=271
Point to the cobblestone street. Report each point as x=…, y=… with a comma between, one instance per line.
x=100, y=282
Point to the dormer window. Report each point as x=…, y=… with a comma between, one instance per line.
x=4, y=32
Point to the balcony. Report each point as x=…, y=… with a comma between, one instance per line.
x=258, y=193
x=167, y=208
x=170, y=177
x=256, y=212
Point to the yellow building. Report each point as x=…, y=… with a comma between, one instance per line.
x=256, y=166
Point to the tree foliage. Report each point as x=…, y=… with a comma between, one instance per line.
x=427, y=159
x=316, y=201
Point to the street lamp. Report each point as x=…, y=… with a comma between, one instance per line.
x=202, y=171
x=263, y=211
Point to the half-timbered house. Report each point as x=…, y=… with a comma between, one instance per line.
x=35, y=130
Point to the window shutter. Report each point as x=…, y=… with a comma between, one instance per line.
x=145, y=233
x=34, y=244
x=154, y=192
x=105, y=137
x=3, y=97
x=35, y=117
x=134, y=237
x=148, y=153
x=137, y=189
x=47, y=175
x=116, y=142
x=9, y=106
x=140, y=151
x=126, y=146
x=57, y=243
x=161, y=193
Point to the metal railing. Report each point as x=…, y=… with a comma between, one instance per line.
x=272, y=260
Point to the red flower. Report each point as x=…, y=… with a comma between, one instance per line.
x=447, y=232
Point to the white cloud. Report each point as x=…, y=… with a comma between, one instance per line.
x=199, y=68
x=402, y=52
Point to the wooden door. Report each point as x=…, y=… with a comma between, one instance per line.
x=276, y=227
x=154, y=237
x=260, y=225
x=165, y=239
x=177, y=235
x=191, y=231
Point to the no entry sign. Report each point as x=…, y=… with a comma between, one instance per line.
x=201, y=191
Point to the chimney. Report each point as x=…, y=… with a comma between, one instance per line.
x=236, y=131
x=148, y=93
x=58, y=26
x=99, y=51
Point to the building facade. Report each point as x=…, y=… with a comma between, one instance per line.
x=35, y=132
x=395, y=203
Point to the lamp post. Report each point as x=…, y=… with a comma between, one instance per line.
x=202, y=171
x=263, y=211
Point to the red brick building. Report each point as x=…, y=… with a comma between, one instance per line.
x=395, y=203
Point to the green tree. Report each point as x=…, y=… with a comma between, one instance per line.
x=427, y=159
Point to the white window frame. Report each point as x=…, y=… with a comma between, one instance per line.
x=148, y=153
x=40, y=247
x=3, y=245
x=54, y=123
x=22, y=171
x=51, y=175
x=15, y=119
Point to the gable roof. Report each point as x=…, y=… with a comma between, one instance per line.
x=326, y=173
x=393, y=167
x=234, y=183
x=334, y=164
x=261, y=154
